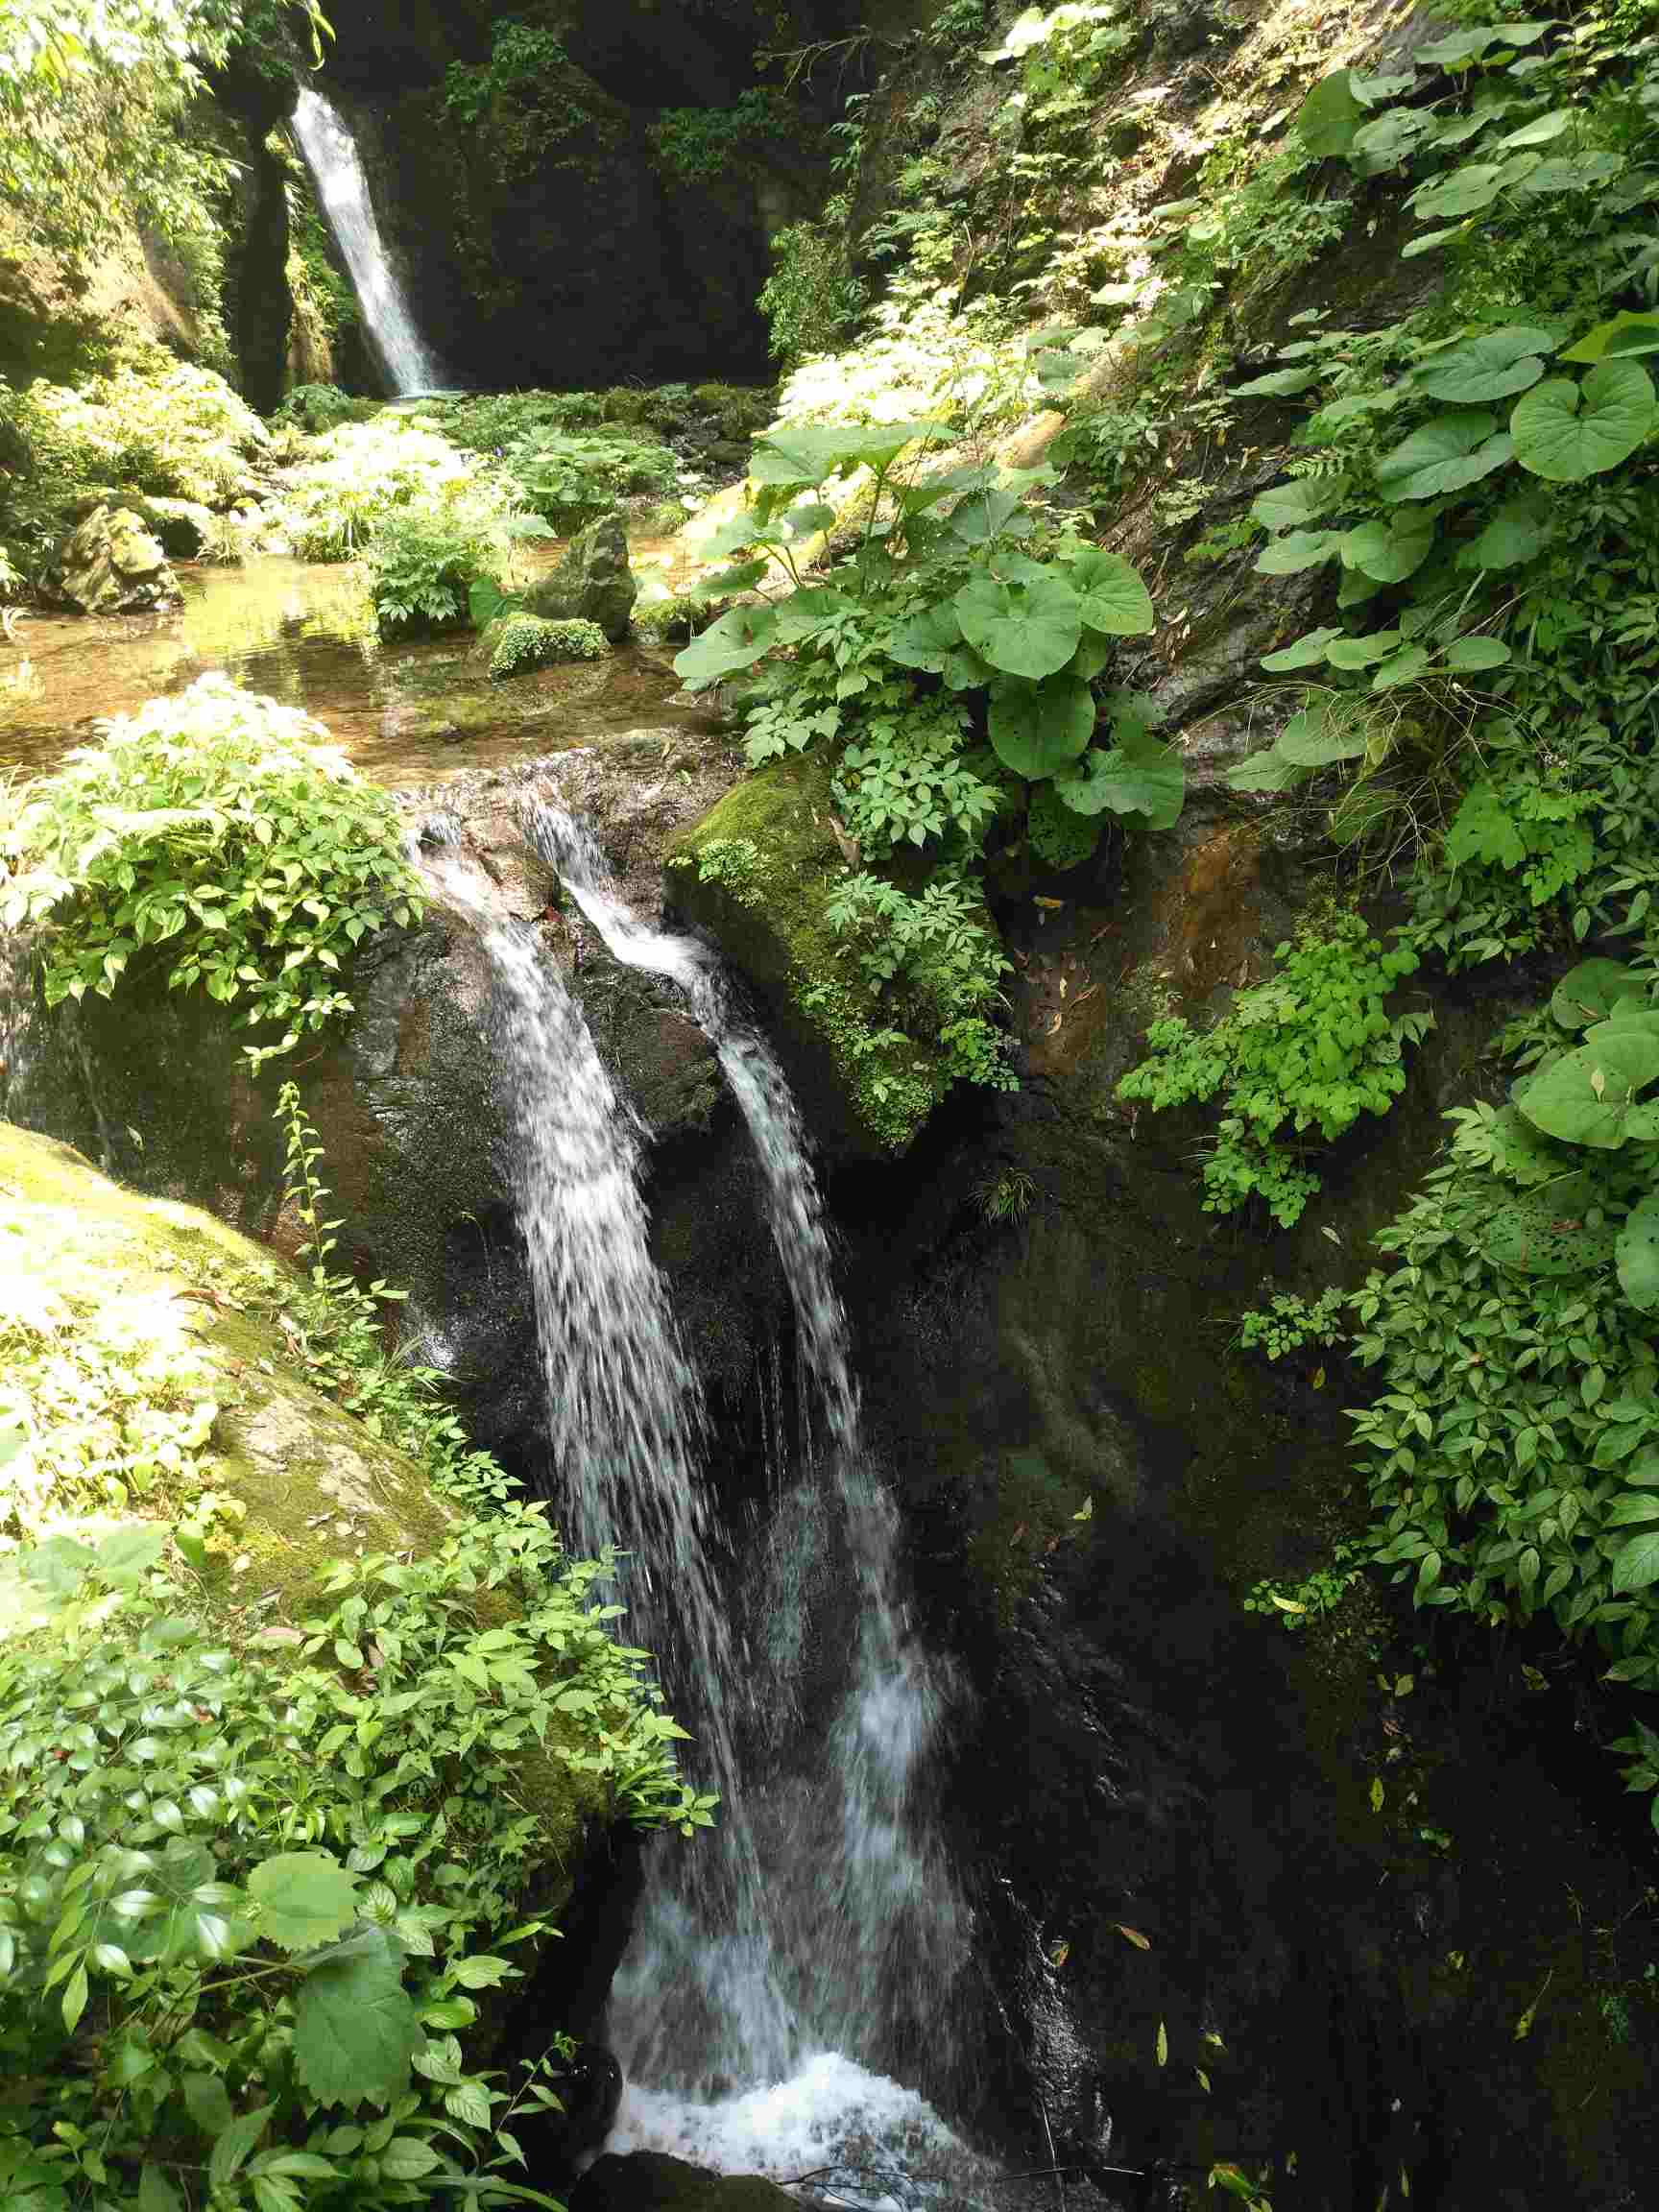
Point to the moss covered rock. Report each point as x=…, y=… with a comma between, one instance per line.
x=592, y=583
x=757, y=872
x=124, y=1315
x=109, y=565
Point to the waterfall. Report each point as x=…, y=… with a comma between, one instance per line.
x=332, y=156
x=860, y=1923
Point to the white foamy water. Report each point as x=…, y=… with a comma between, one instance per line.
x=830, y=2113
x=865, y=1933
x=336, y=168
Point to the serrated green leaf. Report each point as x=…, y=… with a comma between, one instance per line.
x=355, y=2030
x=1027, y=627
x=306, y=1898
x=1495, y=366
x=1636, y=1566
x=1114, y=599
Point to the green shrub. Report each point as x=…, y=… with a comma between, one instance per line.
x=937, y=963
x=570, y=477
x=1312, y=1048
x=424, y=562
x=251, y=1883
x=362, y=473
x=218, y=825
x=812, y=299
x=697, y=144
x=154, y=425
x=317, y=407
x=527, y=641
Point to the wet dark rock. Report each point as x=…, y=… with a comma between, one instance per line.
x=652, y=2181
x=410, y=1106
x=593, y=582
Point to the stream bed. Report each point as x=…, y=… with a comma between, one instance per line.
x=417, y=712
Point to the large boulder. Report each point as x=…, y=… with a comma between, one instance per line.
x=413, y=1104
x=592, y=583
x=110, y=564
x=654, y=2181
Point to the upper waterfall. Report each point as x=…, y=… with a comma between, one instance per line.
x=332, y=156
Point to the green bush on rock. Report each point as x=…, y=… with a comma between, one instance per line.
x=267, y=1841
x=222, y=827
x=527, y=641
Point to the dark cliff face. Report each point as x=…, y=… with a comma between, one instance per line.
x=544, y=238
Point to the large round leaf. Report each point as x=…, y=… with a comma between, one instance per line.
x=1565, y=432
x=1588, y=1095
x=1638, y=1255
x=1591, y=991
x=1329, y=117
x=1114, y=600
x=1447, y=452
x=927, y=639
x=738, y=640
x=1546, y=1232
x=1039, y=728
x=1518, y=530
x=1024, y=627
x=1303, y=500
x=1142, y=776
x=806, y=453
x=1393, y=550
x=1491, y=366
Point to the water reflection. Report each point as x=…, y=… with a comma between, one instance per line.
x=407, y=714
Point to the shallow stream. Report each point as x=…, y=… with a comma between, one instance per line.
x=414, y=712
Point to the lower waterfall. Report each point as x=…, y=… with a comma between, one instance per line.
x=785, y=1964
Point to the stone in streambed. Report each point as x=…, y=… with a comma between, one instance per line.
x=109, y=565
x=652, y=2181
x=592, y=583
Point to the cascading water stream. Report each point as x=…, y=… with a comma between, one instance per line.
x=625, y=1417
x=863, y=1929
x=336, y=168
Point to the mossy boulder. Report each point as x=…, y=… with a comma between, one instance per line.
x=592, y=583
x=758, y=873
x=110, y=564
x=192, y=1311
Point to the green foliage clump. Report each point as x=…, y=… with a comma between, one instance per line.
x=359, y=474
x=698, y=144
x=813, y=297
x=1289, y=1322
x=570, y=477
x=935, y=964
x=315, y=408
x=223, y=826
x=1313, y=1047
x=153, y=423
x=424, y=563
x=252, y=1884
x=735, y=865
x=528, y=641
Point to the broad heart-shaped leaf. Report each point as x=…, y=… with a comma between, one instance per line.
x=125, y=1555
x=1393, y=550
x=1587, y=1095
x=1025, y=628
x=806, y=453
x=1591, y=991
x=1565, y=432
x=1491, y=366
x=1323, y=733
x=927, y=639
x=1114, y=601
x=738, y=640
x=1039, y=728
x=1267, y=771
x=1307, y=652
x=1060, y=836
x=1465, y=192
x=1329, y=117
x=1299, y=549
x=1544, y=1232
x=1447, y=452
x=354, y=2028
x=1638, y=1258
x=1518, y=530
x=1625, y=336
x=1637, y=1566
x=1293, y=506
x=804, y=613
x=306, y=1898
x=1141, y=776
x=1468, y=656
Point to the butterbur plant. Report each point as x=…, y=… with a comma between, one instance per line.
x=220, y=829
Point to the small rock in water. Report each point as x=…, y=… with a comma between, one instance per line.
x=109, y=565
x=592, y=583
